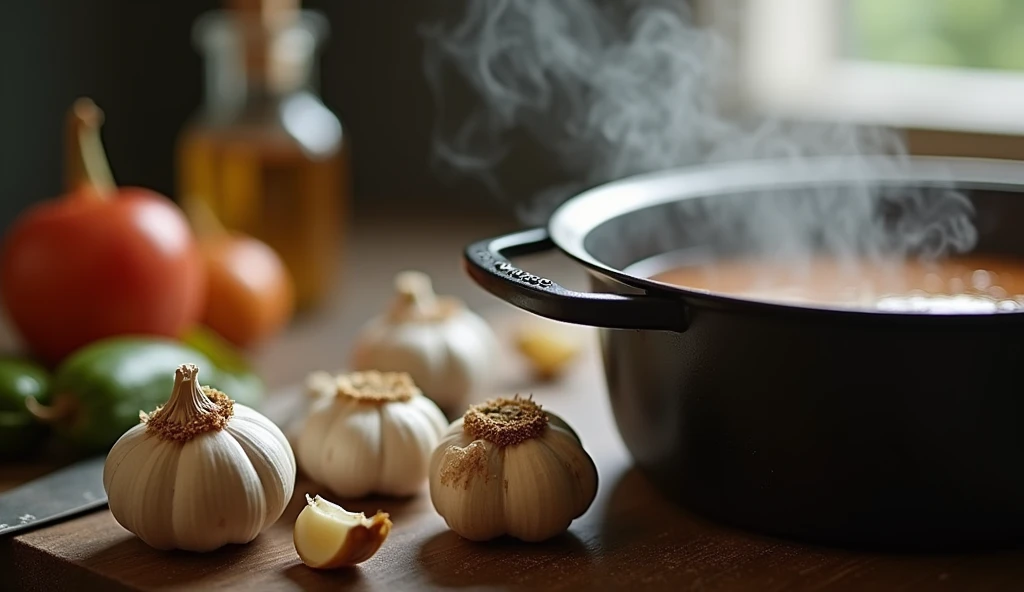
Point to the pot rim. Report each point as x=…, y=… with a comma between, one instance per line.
x=576, y=218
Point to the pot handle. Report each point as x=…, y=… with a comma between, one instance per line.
x=487, y=262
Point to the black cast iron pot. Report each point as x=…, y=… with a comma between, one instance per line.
x=839, y=426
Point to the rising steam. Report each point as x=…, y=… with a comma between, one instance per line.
x=589, y=92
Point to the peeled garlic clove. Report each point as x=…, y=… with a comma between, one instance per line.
x=327, y=536
x=549, y=351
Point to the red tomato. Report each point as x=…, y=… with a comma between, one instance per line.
x=84, y=267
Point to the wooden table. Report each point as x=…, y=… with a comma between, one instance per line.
x=631, y=538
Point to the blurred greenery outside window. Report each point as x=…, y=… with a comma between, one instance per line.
x=982, y=34
x=946, y=72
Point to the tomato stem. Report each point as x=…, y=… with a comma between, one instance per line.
x=86, y=168
x=64, y=407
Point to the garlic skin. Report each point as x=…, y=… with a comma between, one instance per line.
x=449, y=351
x=509, y=468
x=326, y=536
x=200, y=472
x=374, y=435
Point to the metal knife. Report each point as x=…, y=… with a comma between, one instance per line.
x=61, y=494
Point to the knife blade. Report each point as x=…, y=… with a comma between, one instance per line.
x=61, y=494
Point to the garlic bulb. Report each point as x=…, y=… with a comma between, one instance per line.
x=199, y=472
x=448, y=350
x=375, y=435
x=327, y=536
x=508, y=467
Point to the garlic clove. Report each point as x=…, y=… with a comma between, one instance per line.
x=352, y=452
x=120, y=457
x=255, y=420
x=408, y=436
x=327, y=536
x=137, y=470
x=433, y=417
x=538, y=504
x=565, y=446
x=309, y=440
x=155, y=523
x=318, y=391
x=548, y=350
x=120, y=452
x=204, y=522
x=277, y=479
x=468, y=490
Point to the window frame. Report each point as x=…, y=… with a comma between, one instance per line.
x=949, y=111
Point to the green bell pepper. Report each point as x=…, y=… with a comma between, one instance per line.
x=99, y=390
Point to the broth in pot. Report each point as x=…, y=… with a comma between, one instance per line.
x=959, y=285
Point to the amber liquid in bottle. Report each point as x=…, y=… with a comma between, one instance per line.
x=267, y=157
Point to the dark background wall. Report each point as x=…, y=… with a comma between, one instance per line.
x=135, y=58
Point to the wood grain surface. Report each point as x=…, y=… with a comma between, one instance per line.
x=631, y=538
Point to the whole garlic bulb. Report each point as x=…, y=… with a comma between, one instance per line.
x=509, y=467
x=199, y=472
x=375, y=435
x=447, y=349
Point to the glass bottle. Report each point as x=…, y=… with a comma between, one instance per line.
x=263, y=152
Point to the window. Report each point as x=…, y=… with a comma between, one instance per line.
x=955, y=65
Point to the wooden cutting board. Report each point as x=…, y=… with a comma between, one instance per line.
x=420, y=552
x=631, y=538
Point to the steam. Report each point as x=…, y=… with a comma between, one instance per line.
x=587, y=92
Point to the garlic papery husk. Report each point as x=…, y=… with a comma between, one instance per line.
x=507, y=467
x=448, y=350
x=374, y=436
x=326, y=536
x=199, y=472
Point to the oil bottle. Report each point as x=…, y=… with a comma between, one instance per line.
x=263, y=151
